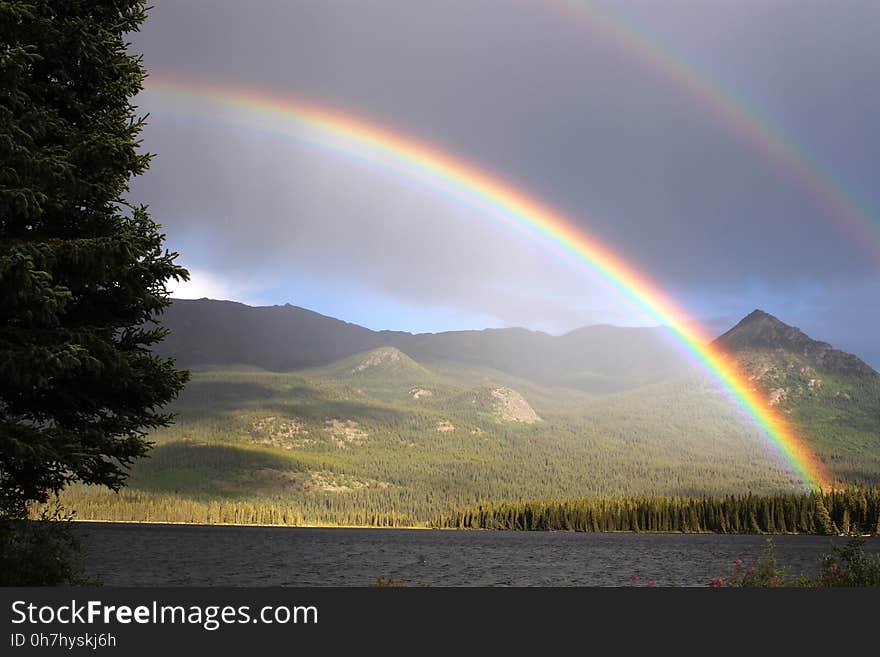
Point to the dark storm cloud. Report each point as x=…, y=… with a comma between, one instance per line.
x=525, y=91
x=337, y=223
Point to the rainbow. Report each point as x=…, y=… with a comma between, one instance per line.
x=499, y=200
x=757, y=131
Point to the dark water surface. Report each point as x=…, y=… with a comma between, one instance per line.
x=180, y=555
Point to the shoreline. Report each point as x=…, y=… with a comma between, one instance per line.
x=448, y=529
x=249, y=524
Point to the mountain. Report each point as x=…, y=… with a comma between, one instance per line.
x=296, y=417
x=760, y=332
x=833, y=397
x=594, y=358
x=597, y=359
x=789, y=365
x=276, y=338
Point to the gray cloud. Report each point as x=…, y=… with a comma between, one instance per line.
x=556, y=109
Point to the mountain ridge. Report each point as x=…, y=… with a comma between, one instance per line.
x=205, y=332
x=761, y=331
x=597, y=358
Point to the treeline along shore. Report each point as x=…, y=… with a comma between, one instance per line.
x=853, y=511
x=850, y=511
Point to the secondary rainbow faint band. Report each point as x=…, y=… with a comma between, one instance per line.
x=497, y=200
x=733, y=113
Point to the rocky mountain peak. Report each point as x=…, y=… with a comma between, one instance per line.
x=761, y=332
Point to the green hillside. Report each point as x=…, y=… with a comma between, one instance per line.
x=335, y=452
x=379, y=437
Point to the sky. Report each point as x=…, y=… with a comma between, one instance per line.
x=547, y=96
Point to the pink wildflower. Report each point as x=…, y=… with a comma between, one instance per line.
x=650, y=583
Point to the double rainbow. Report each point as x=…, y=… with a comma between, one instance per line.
x=730, y=111
x=417, y=160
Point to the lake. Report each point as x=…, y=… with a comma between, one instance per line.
x=196, y=555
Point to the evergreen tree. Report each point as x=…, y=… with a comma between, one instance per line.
x=824, y=524
x=82, y=272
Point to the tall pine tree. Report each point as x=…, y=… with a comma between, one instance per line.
x=82, y=272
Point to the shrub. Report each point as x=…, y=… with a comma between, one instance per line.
x=850, y=566
x=41, y=552
x=843, y=566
